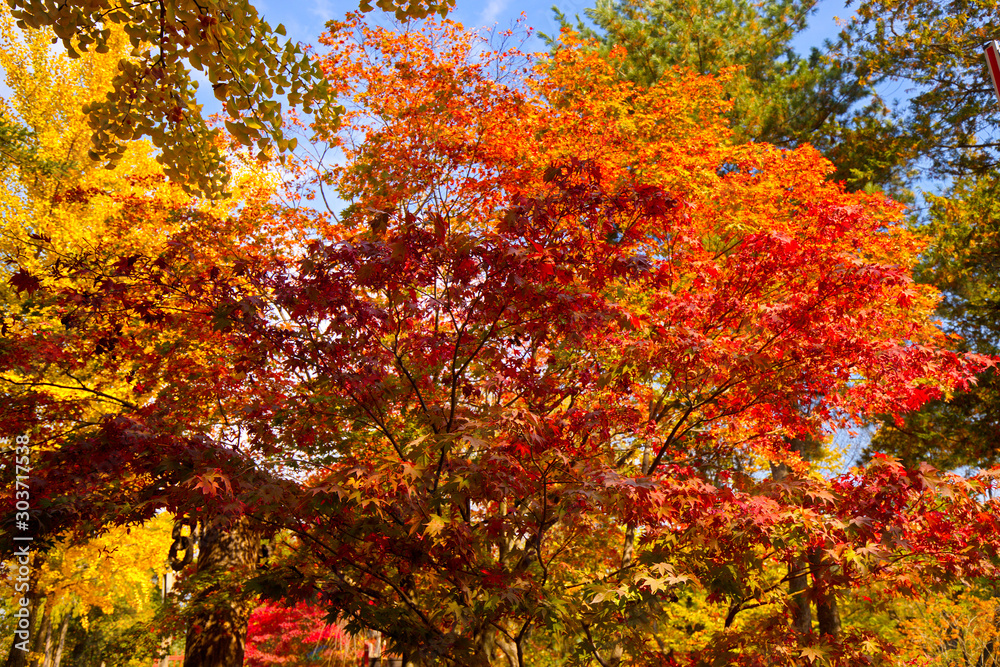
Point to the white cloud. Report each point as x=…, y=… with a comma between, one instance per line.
x=492, y=11
x=325, y=10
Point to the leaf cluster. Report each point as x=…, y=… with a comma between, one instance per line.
x=153, y=94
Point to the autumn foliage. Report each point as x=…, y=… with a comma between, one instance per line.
x=297, y=635
x=528, y=388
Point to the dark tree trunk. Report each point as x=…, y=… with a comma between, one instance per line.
x=216, y=635
x=489, y=642
x=17, y=657
x=827, y=615
x=798, y=594
x=798, y=577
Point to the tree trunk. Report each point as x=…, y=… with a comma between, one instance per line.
x=216, y=635
x=798, y=577
x=798, y=594
x=827, y=615
x=38, y=643
x=488, y=642
x=63, y=627
x=45, y=635
x=17, y=657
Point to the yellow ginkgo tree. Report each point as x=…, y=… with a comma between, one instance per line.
x=58, y=206
x=104, y=587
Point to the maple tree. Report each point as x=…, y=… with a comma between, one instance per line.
x=779, y=96
x=949, y=123
x=296, y=635
x=524, y=384
x=545, y=362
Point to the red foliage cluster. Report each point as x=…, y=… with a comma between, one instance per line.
x=294, y=635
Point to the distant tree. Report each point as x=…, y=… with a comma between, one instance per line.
x=962, y=429
x=952, y=119
x=779, y=96
x=296, y=635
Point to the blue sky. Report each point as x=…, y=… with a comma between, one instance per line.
x=305, y=19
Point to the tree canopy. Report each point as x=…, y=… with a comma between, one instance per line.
x=523, y=396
